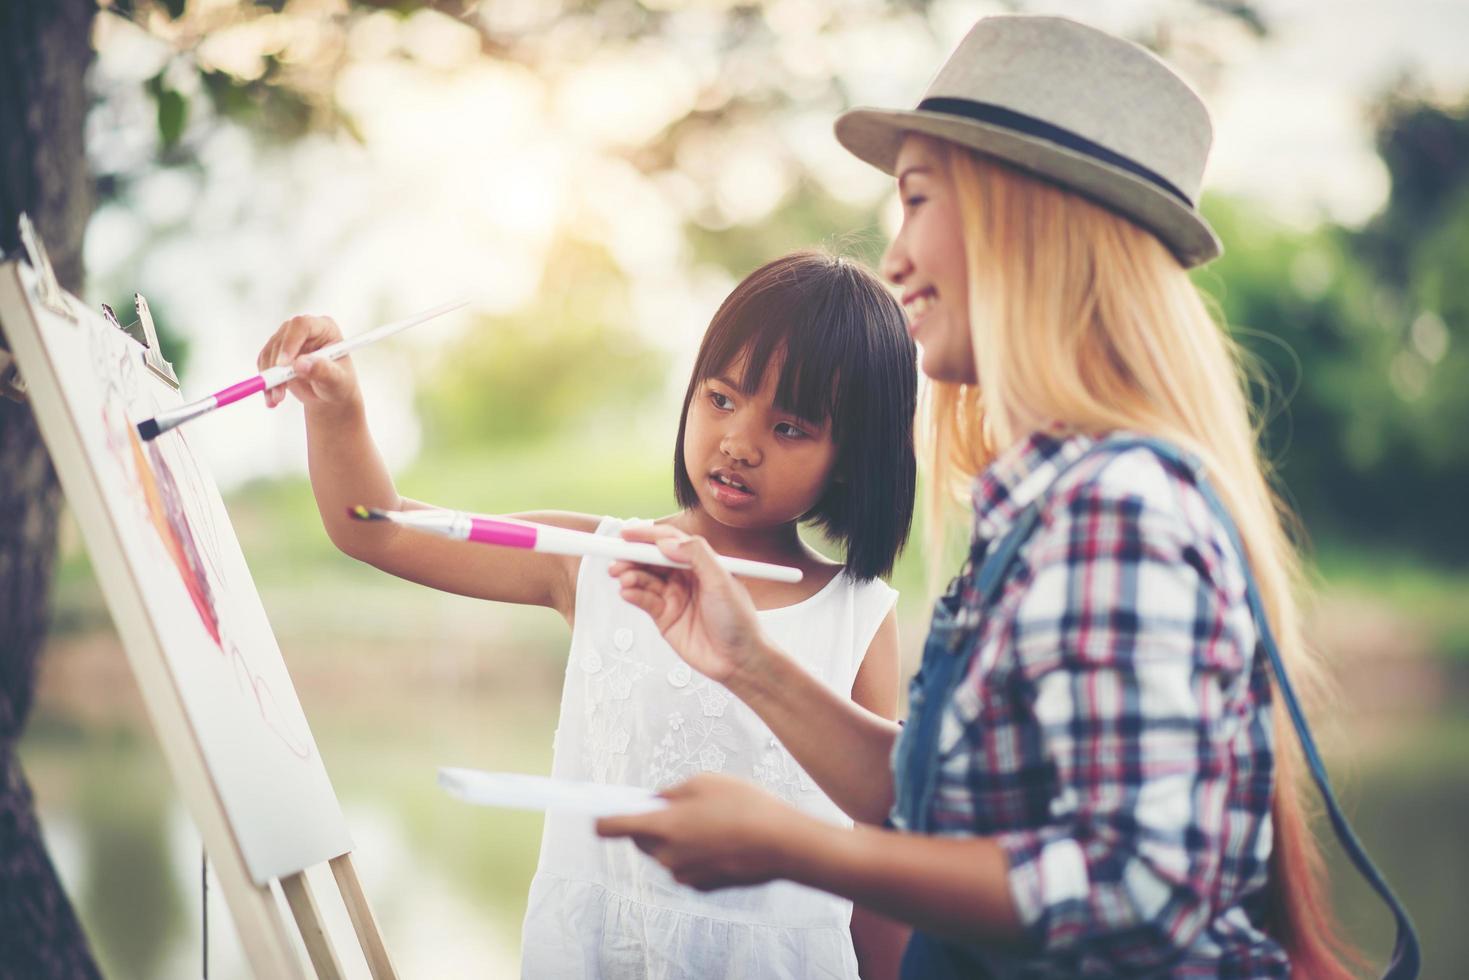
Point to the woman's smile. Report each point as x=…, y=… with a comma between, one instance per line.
x=917, y=304
x=926, y=260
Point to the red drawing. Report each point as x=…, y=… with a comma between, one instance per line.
x=166, y=483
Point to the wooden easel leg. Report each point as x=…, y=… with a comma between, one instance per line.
x=355, y=899
x=257, y=918
x=313, y=930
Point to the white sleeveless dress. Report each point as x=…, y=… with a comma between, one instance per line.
x=633, y=713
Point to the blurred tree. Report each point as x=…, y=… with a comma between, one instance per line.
x=530, y=375
x=1417, y=252
x=1361, y=335
x=43, y=172
x=1425, y=147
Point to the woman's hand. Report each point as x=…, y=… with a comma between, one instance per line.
x=318, y=381
x=701, y=611
x=716, y=832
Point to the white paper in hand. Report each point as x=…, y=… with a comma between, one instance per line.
x=521, y=791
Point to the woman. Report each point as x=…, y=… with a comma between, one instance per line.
x=1093, y=778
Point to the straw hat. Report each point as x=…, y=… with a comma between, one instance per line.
x=1093, y=113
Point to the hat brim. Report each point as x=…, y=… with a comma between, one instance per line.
x=876, y=135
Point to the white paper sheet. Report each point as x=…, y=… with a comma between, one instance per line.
x=170, y=566
x=521, y=791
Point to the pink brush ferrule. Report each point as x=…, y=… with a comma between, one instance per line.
x=488, y=531
x=242, y=390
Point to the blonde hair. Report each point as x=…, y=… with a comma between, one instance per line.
x=1082, y=318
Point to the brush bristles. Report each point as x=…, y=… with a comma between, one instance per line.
x=148, y=430
x=362, y=513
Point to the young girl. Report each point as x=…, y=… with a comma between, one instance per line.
x=1097, y=777
x=800, y=409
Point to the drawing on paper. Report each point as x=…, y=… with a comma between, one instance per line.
x=165, y=483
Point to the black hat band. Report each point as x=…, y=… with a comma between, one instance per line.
x=1030, y=126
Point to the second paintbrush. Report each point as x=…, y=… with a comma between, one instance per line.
x=283, y=374
x=555, y=540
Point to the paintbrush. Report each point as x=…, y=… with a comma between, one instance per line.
x=276, y=376
x=555, y=540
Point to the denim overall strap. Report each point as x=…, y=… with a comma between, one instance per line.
x=1406, y=957
x=946, y=658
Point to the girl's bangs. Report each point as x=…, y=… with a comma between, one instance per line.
x=793, y=338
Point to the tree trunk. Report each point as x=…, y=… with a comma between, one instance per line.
x=45, y=48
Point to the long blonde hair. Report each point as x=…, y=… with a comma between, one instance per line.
x=1082, y=318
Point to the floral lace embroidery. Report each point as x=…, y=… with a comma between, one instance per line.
x=690, y=746
x=696, y=739
x=778, y=771
x=611, y=674
x=712, y=698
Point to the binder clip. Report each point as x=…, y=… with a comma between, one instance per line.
x=152, y=353
x=48, y=290
x=143, y=331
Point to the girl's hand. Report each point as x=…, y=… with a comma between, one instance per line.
x=702, y=612
x=716, y=832
x=318, y=381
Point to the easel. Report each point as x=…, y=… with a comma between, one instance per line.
x=31, y=301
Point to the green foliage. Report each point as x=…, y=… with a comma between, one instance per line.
x=1426, y=149
x=1363, y=336
x=172, y=108
x=272, y=107
x=811, y=217
x=1359, y=333
x=565, y=360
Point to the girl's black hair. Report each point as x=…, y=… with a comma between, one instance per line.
x=845, y=357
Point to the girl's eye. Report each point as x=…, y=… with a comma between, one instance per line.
x=720, y=401
x=912, y=201
x=790, y=431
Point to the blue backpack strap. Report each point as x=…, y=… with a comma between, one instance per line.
x=944, y=666
x=1406, y=957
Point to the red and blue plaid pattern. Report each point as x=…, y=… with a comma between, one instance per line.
x=1113, y=731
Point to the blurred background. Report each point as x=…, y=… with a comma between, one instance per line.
x=594, y=177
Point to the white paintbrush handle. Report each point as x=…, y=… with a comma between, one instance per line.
x=564, y=541
x=349, y=344
x=284, y=373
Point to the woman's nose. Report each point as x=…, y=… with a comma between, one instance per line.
x=895, y=266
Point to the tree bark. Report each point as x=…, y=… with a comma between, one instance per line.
x=45, y=49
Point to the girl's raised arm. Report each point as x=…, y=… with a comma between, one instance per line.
x=347, y=469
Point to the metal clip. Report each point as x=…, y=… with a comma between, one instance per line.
x=111, y=318
x=153, y=354
x=48, y=290
x=143, y=331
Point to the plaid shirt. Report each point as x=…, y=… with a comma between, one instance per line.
x=1113, y=732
